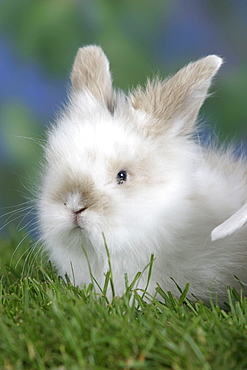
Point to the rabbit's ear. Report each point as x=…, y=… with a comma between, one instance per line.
x=91, y=72
x=175, y=102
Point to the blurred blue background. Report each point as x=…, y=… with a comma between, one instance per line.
x=38, y=43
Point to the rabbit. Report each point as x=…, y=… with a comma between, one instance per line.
x=127, y=171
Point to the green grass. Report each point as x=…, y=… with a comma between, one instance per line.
x=46, y=323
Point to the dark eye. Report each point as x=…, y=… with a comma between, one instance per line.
x=121, y=177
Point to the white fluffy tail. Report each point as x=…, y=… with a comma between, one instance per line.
x=234, y=223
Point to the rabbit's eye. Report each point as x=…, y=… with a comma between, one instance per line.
x=121, y=177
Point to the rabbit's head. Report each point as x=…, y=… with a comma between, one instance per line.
x=120, y=165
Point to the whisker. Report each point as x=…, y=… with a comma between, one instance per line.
x=25, y=226
x=32, y=256
x=16, y=210
x=38, y=141
x=20, y=258
x=24, y=211
x=23, y=218
x=30, y=251
x=17, y=247
x=9, y=221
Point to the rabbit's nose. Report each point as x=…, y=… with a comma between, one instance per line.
x=76, y=214
x=80, y=210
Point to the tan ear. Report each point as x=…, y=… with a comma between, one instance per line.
x=175, y=102
x=91, y=72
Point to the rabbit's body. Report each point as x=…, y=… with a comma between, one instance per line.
x=128, y=168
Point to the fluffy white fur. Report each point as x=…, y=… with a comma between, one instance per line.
x=175, y=194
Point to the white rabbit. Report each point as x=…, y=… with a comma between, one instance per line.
x=128, y=168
